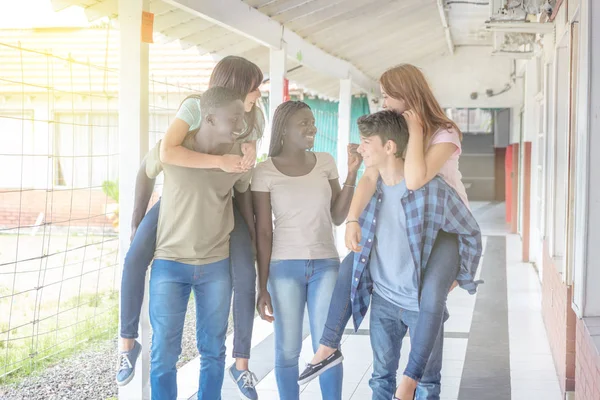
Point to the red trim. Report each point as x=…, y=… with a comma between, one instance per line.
x=526, y=199
x=508, y=181
x=286, y=90
x=514, y=221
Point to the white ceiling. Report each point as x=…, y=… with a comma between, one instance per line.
x=372, y=35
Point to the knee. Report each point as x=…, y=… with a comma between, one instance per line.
x=286, y=357
x=164, y=354
x=212, y=348
x=433, y=301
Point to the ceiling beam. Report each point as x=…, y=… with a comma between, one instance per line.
x=444, y=18
x=238, y=17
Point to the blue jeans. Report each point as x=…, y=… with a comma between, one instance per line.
x=439, y=274
x=340, y=309
x=243, y=273
x=294, y=284
x=171, y=283
x=389, y=324
x=437, y=278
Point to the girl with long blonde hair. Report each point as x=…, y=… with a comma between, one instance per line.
x=434, y=147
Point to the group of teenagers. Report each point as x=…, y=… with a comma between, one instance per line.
x=411, y=235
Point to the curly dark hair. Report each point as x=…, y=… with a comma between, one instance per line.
x=388, y=125
x=217, y=97
x=280, y=119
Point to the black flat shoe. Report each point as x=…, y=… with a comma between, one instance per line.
x=312, y=371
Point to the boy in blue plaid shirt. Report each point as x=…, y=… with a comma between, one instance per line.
x=414, y=245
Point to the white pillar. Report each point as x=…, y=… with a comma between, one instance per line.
x=344, y=115
x=277, y=71
x=133, y=145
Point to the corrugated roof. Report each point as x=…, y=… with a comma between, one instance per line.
x=24, y=60
x=371, y=35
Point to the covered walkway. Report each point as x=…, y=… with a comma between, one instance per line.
x=495, y=342
x=529, y=61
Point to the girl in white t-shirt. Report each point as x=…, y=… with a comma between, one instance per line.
x=298, y=262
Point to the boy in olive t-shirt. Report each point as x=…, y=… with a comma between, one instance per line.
x=192, y=248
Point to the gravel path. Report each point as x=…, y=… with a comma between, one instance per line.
x=90, y=374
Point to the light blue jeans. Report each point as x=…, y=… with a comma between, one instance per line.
x=389, y=324
x=170, y=286
x=293, y=285
x=243, y=273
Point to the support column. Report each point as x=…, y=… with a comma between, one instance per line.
x=344, y=118
x=277, y=71
x=133, y=145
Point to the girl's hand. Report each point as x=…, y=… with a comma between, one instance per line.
x=264, y=306
x=249, y=151
x=232, y=164
x=354, y=158
x=413, y=120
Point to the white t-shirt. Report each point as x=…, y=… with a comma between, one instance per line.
x=302, y=208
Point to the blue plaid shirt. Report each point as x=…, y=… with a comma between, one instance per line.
x=434, y=207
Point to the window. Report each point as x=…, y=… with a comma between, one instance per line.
x=23, y=157
x=474, y=121
x=558, y=144
x=86, y=149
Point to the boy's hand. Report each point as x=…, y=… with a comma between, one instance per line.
x=353, y=236
x=415, y=125
x=454, y=285
x=249, y=151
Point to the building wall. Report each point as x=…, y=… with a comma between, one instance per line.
x=587, y=369
x=79, y=207
x=477, y=167
x=560, y=322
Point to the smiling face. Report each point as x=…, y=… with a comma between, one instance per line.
x=300, y=130
x=228, y=121
x=373, y=151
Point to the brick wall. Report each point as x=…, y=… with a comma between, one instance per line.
x=560, y=321
x=61, y=207
x=77, y=207
x=587, y=370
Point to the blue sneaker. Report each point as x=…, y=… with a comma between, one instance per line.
x=245, y=382
x=126, y=364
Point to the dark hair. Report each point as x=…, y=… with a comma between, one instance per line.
x=280, y=119
x=242, y=76
x=388, y=125
x=217, y=97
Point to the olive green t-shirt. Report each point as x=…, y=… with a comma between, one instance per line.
x=196, y=214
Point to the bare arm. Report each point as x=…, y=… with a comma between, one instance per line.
x=172, y=152
x=419, y=166
x=264, y=244
x=144, y=187
x=243, y=200
x=364, y=192
x=341, y=198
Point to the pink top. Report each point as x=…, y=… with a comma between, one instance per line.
x=449, y=170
